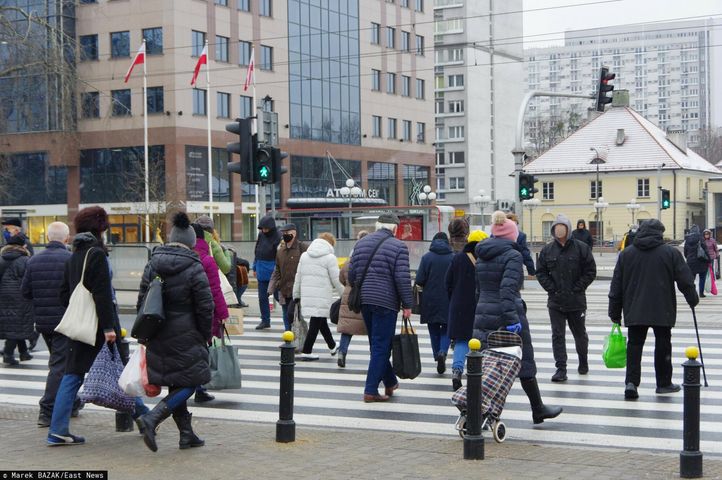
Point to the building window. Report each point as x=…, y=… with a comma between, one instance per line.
x=390, y=82
x=405, y=41
x=456, y=183
x=404, y=3
x=35, y=182
x=376, y=80
x=456, y=80
x=420, y=89
x=376, y=126
x=701, y=189
x=547, y=190
x=88, y=47
x=244, y=52
x=375, y=33
x=643, y=187
x=221, y=49
x=119, y=44
x=199, y=101
x=244, y=5
x=456, y=132
x=419, y=5
x=456, y=158
x=391, y=133
x=382, y=177
x=406, y=130
x=198, y=41
x=90, y=104
x=420, y=132
x=405, y=86
x=153, y=40
x=419, y=45
x=155, y=100
x=121, y=102
x=246, y=106
x=265, y=8
x=311, y=177
x=390, y=37
x=456, y=106
x=222, y=2
x=595, y=190
x=687, y=187
x=266, y=58
x=223, y=105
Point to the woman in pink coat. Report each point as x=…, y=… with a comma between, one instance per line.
x=220, y=313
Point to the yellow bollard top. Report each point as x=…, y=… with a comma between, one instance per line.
x=288, y=336
x=474, y=344
x=123, y=332
x=691, y=353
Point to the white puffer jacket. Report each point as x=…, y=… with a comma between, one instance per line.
x=316, y=280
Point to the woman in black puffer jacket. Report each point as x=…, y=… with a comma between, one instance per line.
x=499, y=276
x=16, y=316
x=177, y=356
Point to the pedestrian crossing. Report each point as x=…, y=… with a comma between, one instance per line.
x=595, y=412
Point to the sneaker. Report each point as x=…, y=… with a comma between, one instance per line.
x=43, y=420
x=263, y=326
x=25, y=356
x=560, y=375
x=671, y=388
x=341, y=360
x=55, y=440
x=308, y=357
x=10, y=361
x=202, y=397
x=333, y=351
x=630, y=392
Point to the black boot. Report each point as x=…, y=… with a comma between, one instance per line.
x=188, y=439
x=456, y=379
x=539, y=411
x=151, y=421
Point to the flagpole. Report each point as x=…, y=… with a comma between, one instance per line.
x=254, y=129
x=145, y=146
x=210, y=150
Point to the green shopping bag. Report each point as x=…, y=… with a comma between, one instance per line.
x=615, y=348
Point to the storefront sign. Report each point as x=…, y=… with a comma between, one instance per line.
x=459, y=213
x=410, y=228
x=336, y=193
x=196, y=173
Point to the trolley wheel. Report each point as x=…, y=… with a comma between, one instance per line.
x=461, y=427
x=499, y=431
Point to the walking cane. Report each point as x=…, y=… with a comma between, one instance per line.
x=699, y=345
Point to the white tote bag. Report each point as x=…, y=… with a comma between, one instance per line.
x=80, y=321
x=228, y=294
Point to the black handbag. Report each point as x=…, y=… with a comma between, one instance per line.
x=354, y=297
x=418, y=294
x=405, y=350
x=151, y=314
x=335, y=311
x=702, y=254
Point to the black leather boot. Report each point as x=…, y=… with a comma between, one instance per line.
x=188, y=439
x=539, y=411
x=151, y=421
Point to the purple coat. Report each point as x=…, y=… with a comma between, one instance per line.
x=220, y=312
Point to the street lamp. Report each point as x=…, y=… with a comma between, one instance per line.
x=633, y=207
x=482, y=200
x=427, y=195
x=600, y=158
x=600, y=205
x=531, y=204
x=350, y=191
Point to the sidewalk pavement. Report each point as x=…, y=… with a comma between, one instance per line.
x=248, y=450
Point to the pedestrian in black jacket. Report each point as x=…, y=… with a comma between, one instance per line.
x=13, y=226
x=41, y=285
x=177, y=356
x=16, y=316
x=565, y=269
x=643, y=289
x=697, y=265
x=582, y=234
x=525, y=253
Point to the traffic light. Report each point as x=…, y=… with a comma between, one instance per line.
x=603, y=87
x=245, y=147
x=526, y=186
x=277, y=168
x=263, y=166
x=666, y=202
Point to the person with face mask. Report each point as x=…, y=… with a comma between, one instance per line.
x=264, y=263
x=284, y=275
x=12, y=227
x=565, y=269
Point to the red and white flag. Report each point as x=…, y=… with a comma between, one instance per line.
x=139, y=58
x=202, y=60
x=250, y=76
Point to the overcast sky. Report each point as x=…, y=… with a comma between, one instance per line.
x=547, y=23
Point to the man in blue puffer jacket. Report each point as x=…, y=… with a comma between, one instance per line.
x=41, y=285
x=386, y=287
x=264, y=263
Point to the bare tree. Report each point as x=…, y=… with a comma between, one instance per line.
x=6, y=179
x=544, y=133
x=710, y=145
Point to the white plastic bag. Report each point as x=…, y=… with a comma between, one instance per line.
x=131, y=380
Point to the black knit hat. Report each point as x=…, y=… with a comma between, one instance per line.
x=17, y=240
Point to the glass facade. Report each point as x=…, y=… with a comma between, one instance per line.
x=28, y=179
x=113, y=175
x=324, y=71
x=312, y=177
x=382, y=177
x=197, y=174
x=415, y=177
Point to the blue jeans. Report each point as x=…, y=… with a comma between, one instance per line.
x=380, y=325
x=284, y=309
x=263, y=302
x=344, y=343
x=63, y=407
x=439, y=339
x=178, y=396
x=461, y=348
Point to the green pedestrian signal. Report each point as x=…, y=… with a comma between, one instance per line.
x=526, y=186
x=666, y=202
x=264, y=173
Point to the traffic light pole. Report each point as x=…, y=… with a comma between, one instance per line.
x=518, y=150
